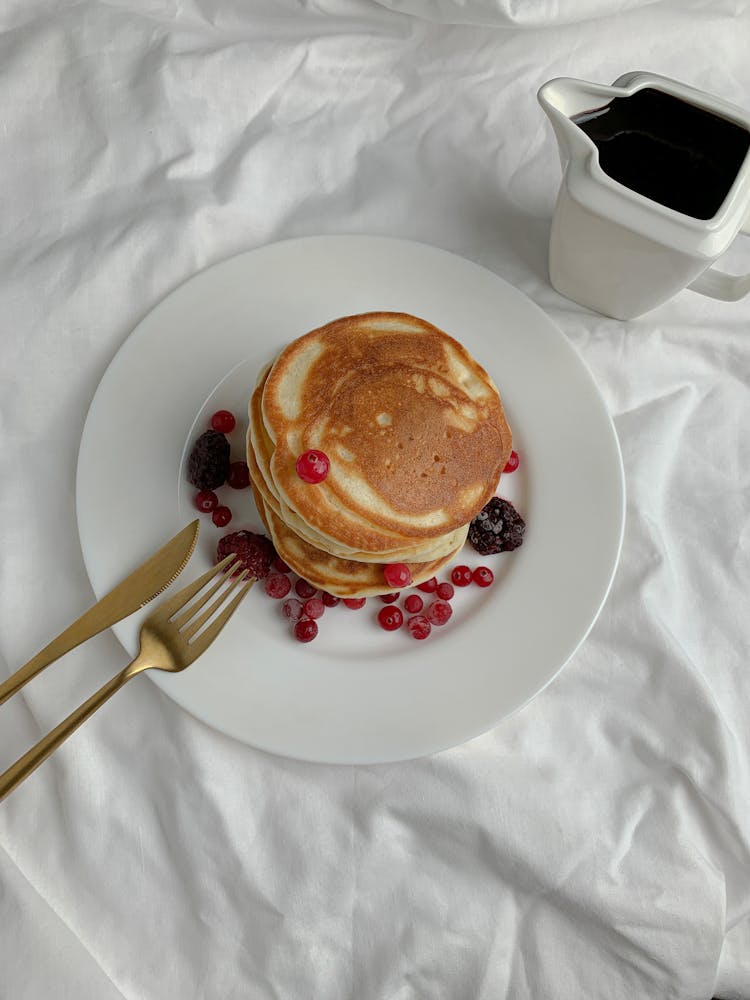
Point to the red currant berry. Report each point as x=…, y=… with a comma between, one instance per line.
x=239, y=476
x=397, y=575
x=461, y=576
x=445, y=591
x=304, y=589
x=221, y=516
x=306, y=629
x=312, y=466
x=355, y=602
x=439, y=612
x=419, y=626
x=223, y=421
x=390, y=598
x=206, y=501
x=314, y=607
x=292, y=609
x=277, y=585
x=280, y=566
x=390, y=619
x=483, y=576
x=429, y=586
x=512, y=464
x=329, y=600
x=413, y=604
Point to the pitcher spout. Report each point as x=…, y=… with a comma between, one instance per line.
x=562, y=99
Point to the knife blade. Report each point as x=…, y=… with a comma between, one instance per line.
x=142, y=586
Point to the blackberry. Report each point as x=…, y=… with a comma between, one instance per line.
x=255, y=551
x=208, y=464
x=498, y=527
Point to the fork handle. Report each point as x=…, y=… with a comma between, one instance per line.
x=31, y=760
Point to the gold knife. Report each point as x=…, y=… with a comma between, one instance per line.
x=143, y=584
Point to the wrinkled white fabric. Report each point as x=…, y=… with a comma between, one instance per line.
x=597, y=843
x=512, y=13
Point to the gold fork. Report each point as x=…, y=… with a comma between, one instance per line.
x=170, y=639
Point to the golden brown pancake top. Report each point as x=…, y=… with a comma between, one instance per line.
x=259, y=453
x=413, y=426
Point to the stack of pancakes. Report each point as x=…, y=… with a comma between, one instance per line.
x=416, y=437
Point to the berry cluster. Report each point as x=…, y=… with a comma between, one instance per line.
x=310, y=604
x=438, y=611
x=210, y=467
x=497, y=528
x=258, y=555
x=304, y=605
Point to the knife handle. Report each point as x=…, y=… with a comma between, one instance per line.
x=83, y=628
x=143, y=584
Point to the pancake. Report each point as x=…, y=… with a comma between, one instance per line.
x=259, y=454
x=340, y=577
x=413, y=427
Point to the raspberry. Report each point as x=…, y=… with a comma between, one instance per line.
x=314, y=607
x=461, y=576
x=397, y=575
x=255, y=551
x=223, y=421
x=292, y=609
x=304, y=589
x=413, y=603
x=239, y=476
x=439, y=612
x=419, y=626
x=483, y=576
x=355, y=602
x=513, y=462
x=498, y=527
x=329, y=600
x=280, y=566
x=206, y=501
x=390, y=619
x=429, y=586
x=208, y=463
x=277, y=585
x=221, y=517
x=445, y=591
x=306, y=629
x=312, y=466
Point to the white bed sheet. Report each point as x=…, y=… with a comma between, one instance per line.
x=595, y=844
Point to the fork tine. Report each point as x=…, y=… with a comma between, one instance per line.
x=180, y=599
x=189, y=611
x=205, y=639
x=196, y=624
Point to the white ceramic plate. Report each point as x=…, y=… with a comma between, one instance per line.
x=357, y=694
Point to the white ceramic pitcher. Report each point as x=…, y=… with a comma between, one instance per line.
x=616, y=251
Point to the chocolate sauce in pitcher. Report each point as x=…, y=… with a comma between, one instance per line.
x=673, y=152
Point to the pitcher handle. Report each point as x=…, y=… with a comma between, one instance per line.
x=722, y=285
